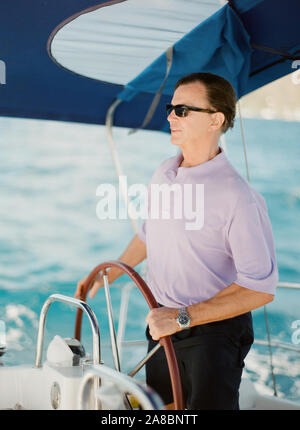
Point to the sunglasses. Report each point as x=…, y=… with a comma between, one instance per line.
x=183, y=110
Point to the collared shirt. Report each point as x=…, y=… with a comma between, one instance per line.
x=229, y=240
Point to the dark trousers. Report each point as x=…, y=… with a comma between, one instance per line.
x=210, y=359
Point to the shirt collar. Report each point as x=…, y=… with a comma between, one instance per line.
x=173, y=170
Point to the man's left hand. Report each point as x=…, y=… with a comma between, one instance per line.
x=162, y=322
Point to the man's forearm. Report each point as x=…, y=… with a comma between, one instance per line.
x=234, y=300
x=134, y=254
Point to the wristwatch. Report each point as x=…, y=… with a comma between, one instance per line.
x=183, y=319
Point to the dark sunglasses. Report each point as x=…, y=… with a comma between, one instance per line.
x=183, y=110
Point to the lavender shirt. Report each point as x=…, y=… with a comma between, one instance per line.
x=235, y=243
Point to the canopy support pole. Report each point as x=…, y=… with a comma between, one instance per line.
x=109, y=123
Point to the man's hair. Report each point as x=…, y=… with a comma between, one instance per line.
x=220, y=94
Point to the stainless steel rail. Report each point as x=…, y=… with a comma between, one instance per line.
x=294, y=285
x=147, y=398
x=275, y=344
x=74, y=302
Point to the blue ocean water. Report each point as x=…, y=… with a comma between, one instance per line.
x=50, y=236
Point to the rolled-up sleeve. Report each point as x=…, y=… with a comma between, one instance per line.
x=252, y=245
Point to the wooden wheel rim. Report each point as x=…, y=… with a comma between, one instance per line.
x=164, y=341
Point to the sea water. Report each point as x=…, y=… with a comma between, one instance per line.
x=51, y=237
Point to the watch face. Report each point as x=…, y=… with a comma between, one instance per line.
x=183, y=319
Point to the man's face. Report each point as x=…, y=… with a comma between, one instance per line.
x=196, y=126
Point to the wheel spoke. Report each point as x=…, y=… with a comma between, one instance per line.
x=144, y=360
x=112, y=330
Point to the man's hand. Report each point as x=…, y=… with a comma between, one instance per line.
x=162, y=322
x=96, y=284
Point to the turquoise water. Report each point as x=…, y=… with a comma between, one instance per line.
x=50, y=236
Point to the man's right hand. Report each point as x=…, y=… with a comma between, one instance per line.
x=96, y=284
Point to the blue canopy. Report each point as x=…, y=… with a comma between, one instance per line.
x=249, y=42
x=219, y=45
